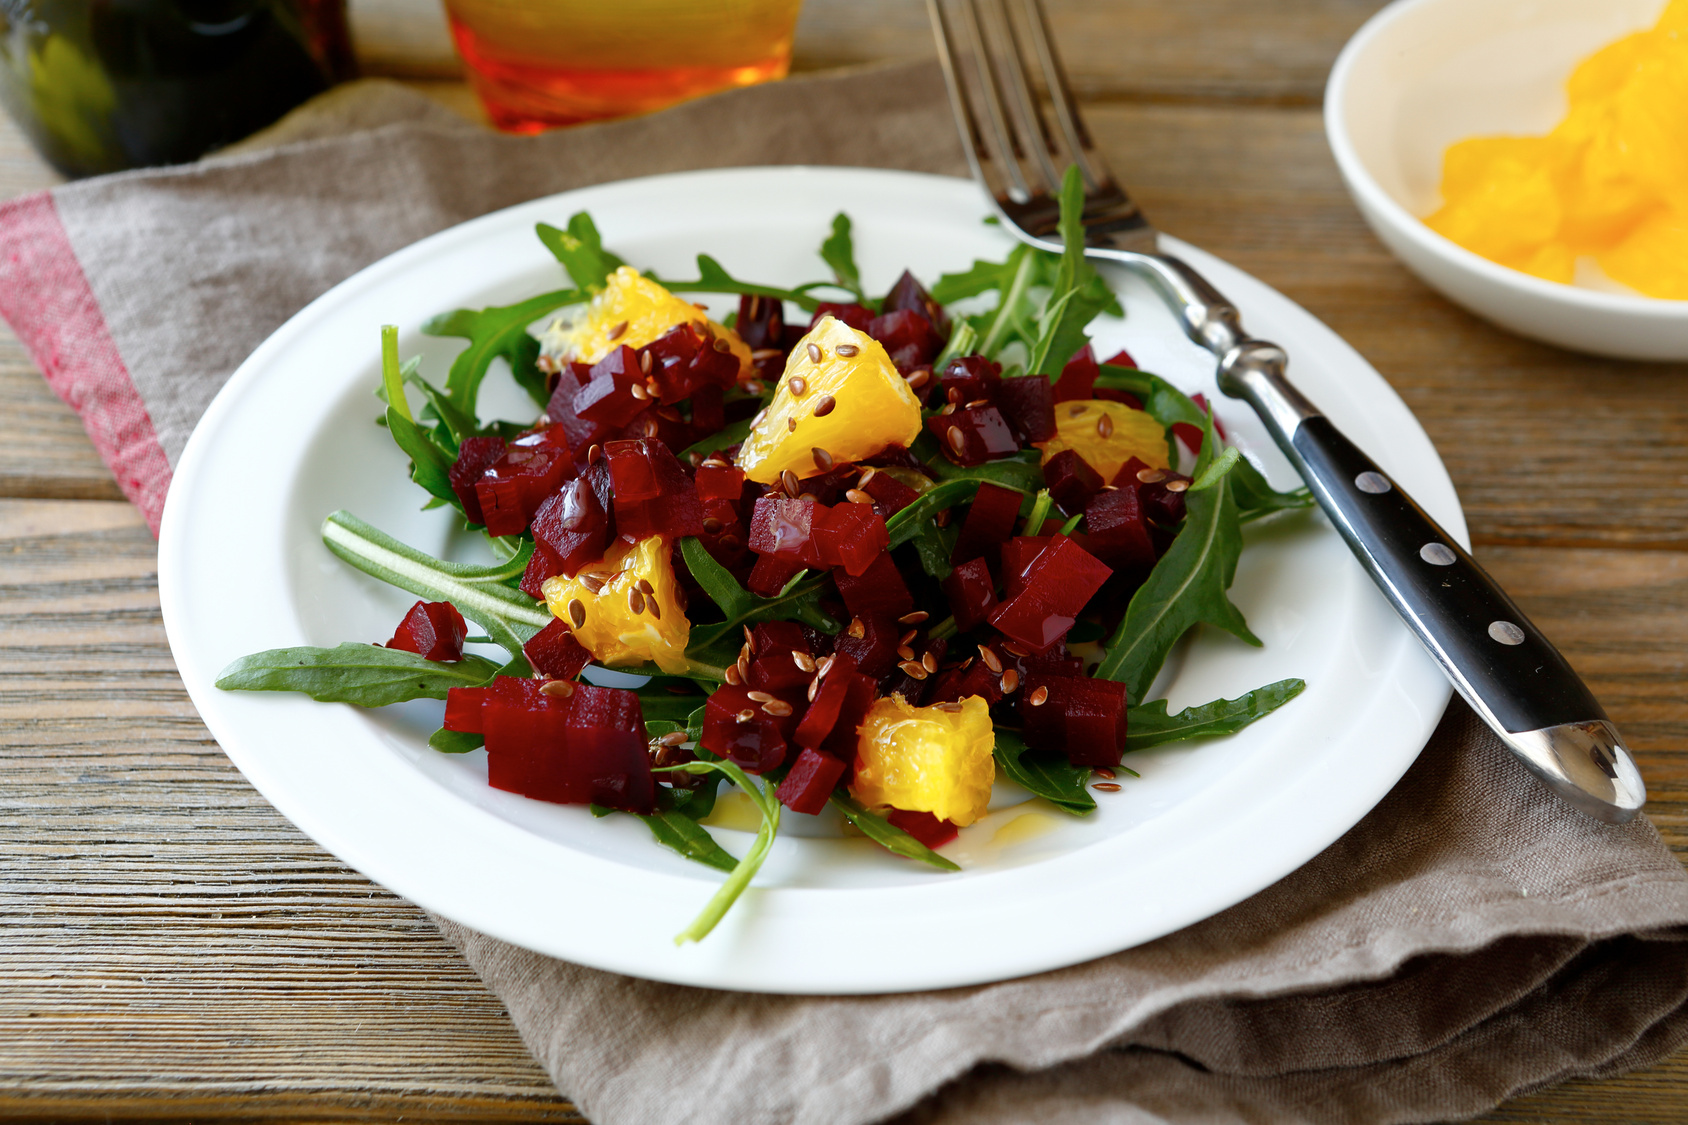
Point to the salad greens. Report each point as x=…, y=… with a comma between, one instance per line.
x=1029, y=315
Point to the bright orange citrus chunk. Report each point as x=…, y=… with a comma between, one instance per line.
x=1107, y=435
x=1609, y=181
x=632, y=310
x=636, y=616
x=840, y=394
x=927, y=759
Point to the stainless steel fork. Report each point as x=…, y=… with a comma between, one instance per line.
x=1006, y=84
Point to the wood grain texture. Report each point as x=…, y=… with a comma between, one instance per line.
x=172, y=949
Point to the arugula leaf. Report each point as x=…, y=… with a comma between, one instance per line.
x=430, y=465
x=661, y=705
x=1256, y=498
x=508, y=616
x=799, y=601
x=1022, y=471
x=367, y=675
x=1186, y=587
x=581, y=250
x=1150, y=725
x=964, y=340
x=839, y=252
x=1073, y=300
x=934, y=546
x=888, y=835
x=745, y=870
x=1047, y=775
x=455, y=741
x=713, y=278
x=960, y=488
x=731, y=434
x=680, y=832
x=497, y=332
x=454, y=424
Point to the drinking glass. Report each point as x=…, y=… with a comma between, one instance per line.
x=536, y=64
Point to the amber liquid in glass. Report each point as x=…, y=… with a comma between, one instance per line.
x=536, y=64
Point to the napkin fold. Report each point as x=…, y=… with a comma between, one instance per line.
x=1469, y=940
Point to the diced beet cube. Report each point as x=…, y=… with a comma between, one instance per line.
x=1190, y=434
x=755, y=744
x=1121, y=358
x=761, y=322
x=554, y=652
x=923, y=826
x=652, y=493
x=463, y=709
x=609, y=396
x=1018, y=554
x=719, y=482
x=976, y=679
x=850, y=536
x=822, y=714
x=1078, y=377
x=811, y=781
x=582, y=434
x=514, y=486
x=989, y=523
x=908, y=337
x=1117, y=530
x=908, y=293
x=1057, y=585
x=1071, y=480
x=1163, y=500
x=784, y=528
x=859, y=692
x=890, y=495
x=1082, y=717
x=973, y=435
x=544, y=563
x=856, y=316
x=773, y=667
x=583, y=747
x=971, y=377
x=879, y=591
x=1028, y=402
x=875, y=651
x=770, y=574
x=684, y=360
x=474, y=457
x=662, y=424
x=433, y=631
x=1201, y=404
x=709, y=411
x=971, y=593
x=574, y=525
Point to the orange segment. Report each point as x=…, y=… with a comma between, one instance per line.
x=927, y=759
x=607, y=623
x=1107, y=445
x=632, y=310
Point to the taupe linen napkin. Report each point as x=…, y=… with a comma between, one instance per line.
x=1470, y=939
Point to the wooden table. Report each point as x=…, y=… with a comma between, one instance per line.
x=171, y=947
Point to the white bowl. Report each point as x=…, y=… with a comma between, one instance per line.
x=1422, y=74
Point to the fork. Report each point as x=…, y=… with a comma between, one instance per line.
x=1000, y=63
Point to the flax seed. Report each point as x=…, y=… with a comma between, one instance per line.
x=1010, y=681
x=914, y=669
x=656, y=610
x=732, y=675
x=1104, y=426
x=1014, y=650
x=778, y=707
x=594, y=454
x=673, y=738
x=953, y=395
x=914, y=618
x=1106, y=787
x=745, y=716
x=1039, y=697
x=857, y=496
x=957, y=440
x=761, y=416
x=714, y=461
x=789, y=482
x=823, y=459
x=1150, y=476
x=824, y=667
x=824, y=406
x=635, y=602
x=952, y=707
x=815, y=353
x=645, y=362
x=1106, y=774
x=560, y=688
x=618, y=331
x=592, y=582
x=577, y=612
x=905, y=652
x=867, y=474
x=919, y=377
x=743, y=668
x=847, y=350
x=645, y=587
x=1177, y=485
x=814, y=688
x=1075, y=411
x=749, y=640
x=929, y=661
x=949, y=408
x=722, y=346
x=760, y=697
x=857, y=629
x=803, y=660
x=799, y=386
x=711, y=525
x=908, y=636
x=991, y=659
x=791, y=425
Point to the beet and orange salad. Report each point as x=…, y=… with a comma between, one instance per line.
x=866, y=556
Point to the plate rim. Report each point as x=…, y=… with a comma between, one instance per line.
x=707, y=971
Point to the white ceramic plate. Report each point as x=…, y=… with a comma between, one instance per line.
x=291, y=438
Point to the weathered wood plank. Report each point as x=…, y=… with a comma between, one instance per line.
x=174, y=947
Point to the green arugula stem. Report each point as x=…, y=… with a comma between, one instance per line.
x=722, y=901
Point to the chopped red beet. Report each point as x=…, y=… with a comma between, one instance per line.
x=761, y=322
x=1018, y=554
x=1078, y=377
x=971, y=593
x=514, y=486
x=1082, y=717
x=856, y=316
x=879, y=591
x=709, y=411
x=663, y=424
x=739, y=729
x=772, y=665
x=433, y=631
x=908, y=293
x=860, y=691
x=970, y=377
x=784, y=529
x=1028, y=402
x=850, y=536
x=574, y=526
x=989, y=523
x=890, y=495
x=1160, y=504
x=973, y=435
x=1121, y=358
x=474, y=457
x=554, y=652
x=463, y=709
x=908, y=336
x=544, y=563
x=582, y=434
x=976, y=679
x=652, y=493
x=685, y=360
x=1117, y=529
x=811, y=781
x=770, y=574
x=719, y=482
x=822, y=714
x=583, y=747
x=875, y=651
x=609, y=396
x=1071, y=480
x=923, y=826
x=1201, y=402
x=1057, y=585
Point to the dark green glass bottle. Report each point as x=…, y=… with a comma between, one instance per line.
x=103, y=85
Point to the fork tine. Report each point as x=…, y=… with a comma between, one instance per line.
x=985, y=169
x=1008, y=143
x=1034, y=130
x=1080, y=147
